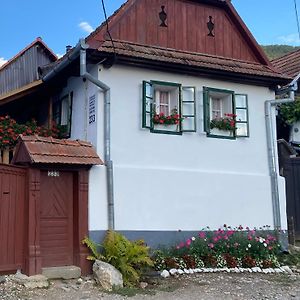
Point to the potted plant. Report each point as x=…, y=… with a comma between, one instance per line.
x=223, y=125
x=167, y=122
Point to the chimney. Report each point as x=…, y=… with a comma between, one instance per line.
x=68, y=48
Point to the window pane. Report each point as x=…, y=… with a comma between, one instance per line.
x=241, y=115
x=188, y=94
x=164, y=97
x=188, y=109
x=148, y=90
x=64, y=111
x=242, y=129
x=148, y=104
x=188, y=124
x=240, y=101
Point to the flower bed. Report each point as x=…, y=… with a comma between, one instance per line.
x=10, y=130
x=225, y=248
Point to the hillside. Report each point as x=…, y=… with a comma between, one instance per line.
x=274, y=51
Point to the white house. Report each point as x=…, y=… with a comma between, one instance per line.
x=173, y=97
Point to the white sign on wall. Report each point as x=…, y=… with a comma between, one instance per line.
x=92, y=109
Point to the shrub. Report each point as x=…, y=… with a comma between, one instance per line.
x=130, y=258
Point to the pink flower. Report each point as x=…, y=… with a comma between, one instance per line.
x=215, y=239
x=181, y=245
x=202, y=235
x=211, y=245
x=188, y=242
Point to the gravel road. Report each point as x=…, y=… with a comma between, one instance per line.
x=196, y=286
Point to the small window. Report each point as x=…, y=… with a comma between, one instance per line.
x=62, y=114
x=168, y=107
x=241, y=110
x=226, y=113
x=219, y=113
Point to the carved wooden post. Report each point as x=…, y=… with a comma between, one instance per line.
x=82, y=221
x=33, y=263
x=5, y=156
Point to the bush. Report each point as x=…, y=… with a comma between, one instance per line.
x=130, y=258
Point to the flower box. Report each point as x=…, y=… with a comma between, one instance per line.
x=163, y=127
x=216, y=131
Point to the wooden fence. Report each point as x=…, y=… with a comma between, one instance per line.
x=12, y=217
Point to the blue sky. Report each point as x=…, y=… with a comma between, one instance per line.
x=63, y=22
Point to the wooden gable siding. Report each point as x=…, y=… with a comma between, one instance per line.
x=23, y=70
x=187, y=28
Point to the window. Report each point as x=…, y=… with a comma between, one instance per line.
x=62, y=113
x=225, y=113
x=168, y=107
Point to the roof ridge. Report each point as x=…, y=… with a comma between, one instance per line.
x=36, y=41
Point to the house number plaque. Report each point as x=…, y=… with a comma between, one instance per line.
x=53, y=173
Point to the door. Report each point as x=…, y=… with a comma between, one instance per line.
x=56, y=213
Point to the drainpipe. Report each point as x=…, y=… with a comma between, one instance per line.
x=272, y=158
x=80, y=50
x=107, y=133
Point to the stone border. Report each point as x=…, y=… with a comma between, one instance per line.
x=174, y=272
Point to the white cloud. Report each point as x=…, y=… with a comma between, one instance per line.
x=2, y=61
x=59, y=55
x=85, y=26
x=290, y=39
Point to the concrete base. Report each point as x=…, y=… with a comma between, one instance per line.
x=66, y=272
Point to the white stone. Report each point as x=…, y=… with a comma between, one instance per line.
x=173, y=271
x=286, y=269
x=165, y=274
x=271, y=270
x=191, y=271
x=277, y=270
x=107, y=276
x=236, y=270
x=197, y=270
x=180, y=272
x=186, y=271
x=227, y=270
x=265, y=271
x=37, y=281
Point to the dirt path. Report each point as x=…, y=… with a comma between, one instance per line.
x=200, y=286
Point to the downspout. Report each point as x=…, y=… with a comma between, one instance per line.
x=107, y=134
x=272, y=158
x=80, y=50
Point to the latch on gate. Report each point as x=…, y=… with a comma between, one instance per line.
x=53, y=173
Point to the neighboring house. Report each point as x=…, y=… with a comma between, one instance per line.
x=289, y=64
x=158, y=102
x=22, y=92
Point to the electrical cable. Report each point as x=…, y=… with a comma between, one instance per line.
x=297, y=16
x=107, y=28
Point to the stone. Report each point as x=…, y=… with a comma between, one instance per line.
x=180, y=272
x=186, y=271
x=65, y=288
x=20, y=278
x=107, y=276
x=173, y=271
x=36, y=281
x=165, y=274
x=65, y=272
x=143, y=285
x=277, y=270
x=191, y=271
x=2, y=279
x=286, y=269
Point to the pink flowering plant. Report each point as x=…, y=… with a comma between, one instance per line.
x=225, y=247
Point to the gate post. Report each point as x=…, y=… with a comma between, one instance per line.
x=33, y=263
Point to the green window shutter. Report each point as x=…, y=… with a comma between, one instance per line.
x=147, y=105
x=188, y=109
x=242, y=115
x=206, y=116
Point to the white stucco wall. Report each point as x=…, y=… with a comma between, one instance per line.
x=171, y=182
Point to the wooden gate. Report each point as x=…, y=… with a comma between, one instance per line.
x=56, y=218
x=12, y=217
x=291, y=172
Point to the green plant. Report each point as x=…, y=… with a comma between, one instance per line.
x=173, y=119
x=129, y=257
x=226, y=123
x=289, y=113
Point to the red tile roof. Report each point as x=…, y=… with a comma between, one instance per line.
x=288, y=64
x=203, y=61
x=47, y=150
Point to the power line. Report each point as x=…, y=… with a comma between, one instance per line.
x=107, y=28
x=296, y=10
